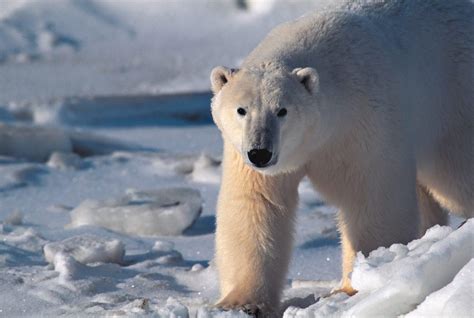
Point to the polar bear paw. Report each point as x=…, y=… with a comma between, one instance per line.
x=236, y=300
x=344, y=289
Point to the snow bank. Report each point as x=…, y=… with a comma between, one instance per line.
x=87, y=249
x=162, y=212
x=393, y=281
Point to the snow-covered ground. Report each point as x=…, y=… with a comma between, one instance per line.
x=108, y=188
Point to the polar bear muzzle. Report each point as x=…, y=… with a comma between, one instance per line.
x=260, y=157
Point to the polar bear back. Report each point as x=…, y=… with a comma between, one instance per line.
x=416, y=57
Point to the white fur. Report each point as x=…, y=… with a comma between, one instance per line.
x=380, y=118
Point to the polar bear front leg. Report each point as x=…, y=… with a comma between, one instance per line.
x=255, y=216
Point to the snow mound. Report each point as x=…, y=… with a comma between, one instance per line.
x=206, y=170
x=87, y=249
x=393, y=281
x=162, y=212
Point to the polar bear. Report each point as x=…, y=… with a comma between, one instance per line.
x=373, y=103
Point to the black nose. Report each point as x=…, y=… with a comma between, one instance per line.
x=259, y=157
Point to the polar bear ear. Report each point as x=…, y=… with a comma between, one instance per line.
x=220, y=75
x=308, y=77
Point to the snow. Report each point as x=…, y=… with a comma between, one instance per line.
x=161, y=212
x=105, y=47
x=393, y=281
x=108, y=186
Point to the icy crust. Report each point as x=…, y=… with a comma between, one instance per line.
x=393, y=281
x=86, y=249
x=161, y=212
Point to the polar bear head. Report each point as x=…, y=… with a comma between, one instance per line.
x=267, y=113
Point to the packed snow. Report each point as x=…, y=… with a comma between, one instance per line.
x=108, y=186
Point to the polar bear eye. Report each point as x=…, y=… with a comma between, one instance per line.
x=282, y=112
x=241, y=111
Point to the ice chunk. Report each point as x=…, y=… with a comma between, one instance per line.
x=173, y=309
x=87, y=249
x=32, y=143
x=161, y=212
x=217, y=313
x=64, y=161
x=67, y=267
